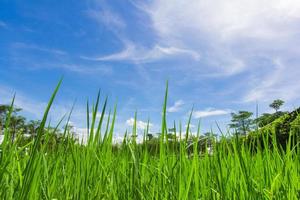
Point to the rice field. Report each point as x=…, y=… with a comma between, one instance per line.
x=101, y=170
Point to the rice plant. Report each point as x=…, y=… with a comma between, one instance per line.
x=100, y=169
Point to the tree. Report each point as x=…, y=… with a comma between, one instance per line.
x=171, y=136
x=3, y=113
x=276, y=104
x=265, y=119
x=241, y=122
x=17, y=123
x=150, y=136
x=211, y=136
x=32, y=127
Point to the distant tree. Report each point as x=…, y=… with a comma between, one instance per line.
x=171, y=136
x=4, y=109
x=268, y=118
x=276, y=104
x=17, y=122
x=3, y=113
x=32, y=127
x=210, y=136
x=18, y=126
x=171, y=130
x=69, y=128
x=242, y=122
x=263, y=120
x=150, y=136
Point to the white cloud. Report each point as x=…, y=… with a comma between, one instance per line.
x=108, y=18
x=232, y=35
x=224, y=20
x=81, y=134
x=191, y=126
x=139, y=54
x=21, y=101
x=22, y=56
x=210, y=112
x=20, y=45
x=176, y=107
x=132, y=51
x=140, y=124
x=85, y=69
x=281, y=82
x=1, y=138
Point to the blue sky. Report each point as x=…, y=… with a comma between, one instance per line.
x=218, y=56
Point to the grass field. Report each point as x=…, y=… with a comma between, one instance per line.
x=99, y=170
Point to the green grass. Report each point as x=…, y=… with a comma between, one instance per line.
x=100, y=170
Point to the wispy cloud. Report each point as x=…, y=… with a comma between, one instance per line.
x=20, y=45
x=21, y=101
x=209, y=112
x=3, y=24
x=176, y=107
x=108, y=18
x=232, y=37
x=24, y=55
x=133, y=51
x=280, y=82
x=218, y=19
x=139, y=54
x=85, y=69
x=36, y=108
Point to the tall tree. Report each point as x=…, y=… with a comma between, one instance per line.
x=242, y=122
x=15, y=119
x=150, y=136
x=276, y=104
x=3, y=112
x=32, y=127
x=17, y=124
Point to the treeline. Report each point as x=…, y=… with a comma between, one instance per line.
x=22, y=130
x=18, y=123
x=242, y=122
x=244, y=128
x=242, y=125
x=280, y=125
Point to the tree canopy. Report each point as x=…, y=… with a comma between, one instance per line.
x=276, y=104
x=241, y=122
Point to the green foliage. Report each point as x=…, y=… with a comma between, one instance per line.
x=268, y=118
x=284, y=129
x=295, y=125
x=18, y=124
x=38, y=169
x=242, y=122
x=277, y=104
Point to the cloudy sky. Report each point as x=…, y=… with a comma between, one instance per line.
x=218, y=56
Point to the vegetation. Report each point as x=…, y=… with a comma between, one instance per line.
x=268, y=118
x=285, y=128
x=38, y=169
x=276, y=104
x=241, y=122
x=18, y=123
